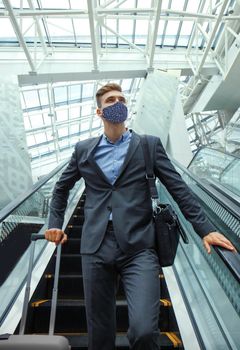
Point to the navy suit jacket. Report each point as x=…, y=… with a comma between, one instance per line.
x=128, y=198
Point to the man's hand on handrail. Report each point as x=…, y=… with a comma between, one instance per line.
x=56, y=235
x=216, y=238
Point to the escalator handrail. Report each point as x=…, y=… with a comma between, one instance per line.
x=6, y=211
x=225, y=191
x=219, y=196
x=215, y=150
x=231, y=259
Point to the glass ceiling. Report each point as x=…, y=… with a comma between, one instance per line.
x=133, y=25
x=57, y=115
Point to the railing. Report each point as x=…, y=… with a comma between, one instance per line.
x=224, y=213
x=218, y=166
x=31, y=207
x=29, y=210
x=223, y=204
x=209, y=283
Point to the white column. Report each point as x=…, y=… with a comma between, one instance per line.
x=159, y=112
x=178, y=145
x=155, y=105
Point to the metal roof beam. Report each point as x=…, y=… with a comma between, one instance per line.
x=194, y=30
x=155, y=32
x=38, y=27
x=120, y=3
x=124, y=10
x=108, y=3
x=52, y=114
x=149, y=32
x=212, y=36
x=19, y=35
x=27, y=79
x=92, y=23
x=121, y=14
x=121, y=37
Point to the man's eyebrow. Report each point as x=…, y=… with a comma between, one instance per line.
x=110, y=97
x=114, y=96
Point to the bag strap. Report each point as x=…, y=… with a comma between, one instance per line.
x=151, y=181
x=150, y=176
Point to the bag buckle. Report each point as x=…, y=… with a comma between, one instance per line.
x=156, y=206
x=150, y=177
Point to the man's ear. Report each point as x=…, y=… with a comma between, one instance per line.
x=99, y=112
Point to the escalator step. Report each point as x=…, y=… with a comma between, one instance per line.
x=71, y=287
x=76, y=219
x=71, y=317
x=79, y=211
x=71, y=264
x=71, y=246
x=74, y=231
x=168, y=341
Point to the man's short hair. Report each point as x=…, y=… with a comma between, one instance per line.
x=106, y=88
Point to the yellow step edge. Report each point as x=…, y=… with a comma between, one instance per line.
x=39, y=302
x=86, y=334
x=177, y=339
x=174, y=339
x=166, y=302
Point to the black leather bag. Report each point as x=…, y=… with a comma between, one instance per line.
x=167, y=226
x=167, y=234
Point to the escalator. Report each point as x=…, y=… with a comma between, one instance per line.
x=200, y=301
x=209, y=284
x=70, y=317
x=218, y=167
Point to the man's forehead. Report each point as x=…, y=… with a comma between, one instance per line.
x=111, y=93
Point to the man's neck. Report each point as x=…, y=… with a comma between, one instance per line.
x=114, y=131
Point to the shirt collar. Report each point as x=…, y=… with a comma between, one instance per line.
x=123, y=138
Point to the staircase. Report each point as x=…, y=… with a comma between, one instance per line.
x=70, y=316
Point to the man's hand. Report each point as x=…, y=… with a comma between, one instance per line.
x=56, y=235
x=216, y=238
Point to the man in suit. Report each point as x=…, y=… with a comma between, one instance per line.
x=118, y=232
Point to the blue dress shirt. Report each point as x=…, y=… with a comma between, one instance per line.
x=110, y=156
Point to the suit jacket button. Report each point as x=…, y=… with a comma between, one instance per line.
x=109, y=208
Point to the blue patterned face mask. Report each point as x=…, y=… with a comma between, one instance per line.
x=116, y=113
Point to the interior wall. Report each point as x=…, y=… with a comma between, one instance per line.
x=15, y=168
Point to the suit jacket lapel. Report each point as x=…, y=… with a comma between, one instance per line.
x=91, y=160
x=131, y=149
x=93, y=145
